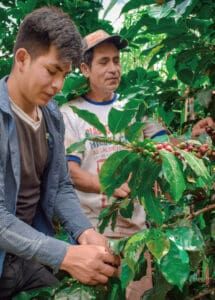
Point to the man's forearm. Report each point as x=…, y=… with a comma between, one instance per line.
x=84, y=180
x=22, y=240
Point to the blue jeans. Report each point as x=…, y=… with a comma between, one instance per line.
x=23, y=275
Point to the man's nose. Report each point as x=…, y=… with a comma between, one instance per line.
x=57, y=84
x=113, y=68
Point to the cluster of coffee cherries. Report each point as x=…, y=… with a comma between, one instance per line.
x=199, y=151
x=152, y=150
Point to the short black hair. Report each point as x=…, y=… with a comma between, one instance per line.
x=50, y=26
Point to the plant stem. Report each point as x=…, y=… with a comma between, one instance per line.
x=203, y=210
x=202, y=294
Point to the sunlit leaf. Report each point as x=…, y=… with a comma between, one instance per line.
x=133, y=249
x=175, y=266
x=187, y=238
x=161, y=11
x=117, y=245
x=198, y=167
x=157, y=243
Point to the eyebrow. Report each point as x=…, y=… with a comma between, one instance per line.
x=59, y=68
x=107, y=57
x=56, y=67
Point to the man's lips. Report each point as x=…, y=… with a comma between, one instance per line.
x=49, y=95
x=113, y=78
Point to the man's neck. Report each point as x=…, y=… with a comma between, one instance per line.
x=16, y=96
x=100, y=96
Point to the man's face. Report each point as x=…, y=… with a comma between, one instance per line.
x=105, y=71
x=41, y=78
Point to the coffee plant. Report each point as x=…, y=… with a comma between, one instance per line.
x=174, y=182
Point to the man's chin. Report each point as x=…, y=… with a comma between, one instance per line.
x=42, y=102
x=112, y=88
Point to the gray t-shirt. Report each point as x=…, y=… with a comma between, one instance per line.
x=33, y=151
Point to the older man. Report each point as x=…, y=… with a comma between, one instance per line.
x=101, y=66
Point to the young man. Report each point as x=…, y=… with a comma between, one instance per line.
x=101, y=66
x=34, y=183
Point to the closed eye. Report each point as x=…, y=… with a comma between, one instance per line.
x=51, y=72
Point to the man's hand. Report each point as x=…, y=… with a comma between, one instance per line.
x=91, y=237
x=90, y=264
x=123, y=191
x=200, y=126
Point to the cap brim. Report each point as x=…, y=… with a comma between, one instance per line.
x=118, y=41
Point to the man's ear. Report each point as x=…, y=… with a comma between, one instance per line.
x=22, y=57
x=85, y=69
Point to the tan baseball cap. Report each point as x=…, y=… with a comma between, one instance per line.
x=97, y=37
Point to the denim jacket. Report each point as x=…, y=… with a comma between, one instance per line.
x=58, y=197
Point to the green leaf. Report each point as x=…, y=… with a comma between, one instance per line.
x=115, y=291
x=187, y=238
x=167, y=116
x=73, y=84
x=119, y=119
x=161, y=11
x=133, y=4
x=152, y=207
x=29, y=6
x=126, y=274
x=186, y=75
x=79, y=291
x=110, y=6
x=198, y=167
x=173, y=174
x=181, y=8
x=108, y=214
x=170, y=65
x=134, y=131
x=76, y=147
x=116, y=169
x=90, y=118
x=144, y=174
x=175, y=266
x=126, y=211
x=157, y=243
x=104, y=221
x=45, y=293
x=113, y=220
x=159, y=290
x=133, y=249
x=141, y=268
x=117, y=246
x=213, y=229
